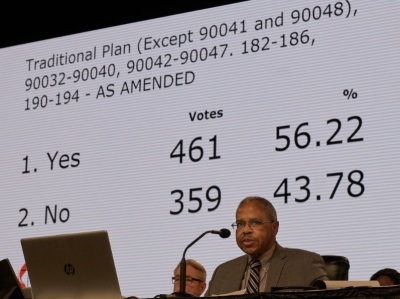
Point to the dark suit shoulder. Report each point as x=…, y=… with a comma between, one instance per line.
x=288, y=251
x=228, y=276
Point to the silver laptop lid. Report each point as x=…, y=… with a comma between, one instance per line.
x=78, y=265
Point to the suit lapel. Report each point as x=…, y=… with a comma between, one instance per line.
x=278, y=260
x=238, y=276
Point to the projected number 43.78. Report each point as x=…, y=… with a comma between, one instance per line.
x=352, y=183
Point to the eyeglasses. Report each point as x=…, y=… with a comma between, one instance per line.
x=189, y=280
x=254, y=224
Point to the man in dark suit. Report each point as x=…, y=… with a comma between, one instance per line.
x=256, y=228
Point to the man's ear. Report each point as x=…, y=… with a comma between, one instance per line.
x=203, y=286
x=275, y=226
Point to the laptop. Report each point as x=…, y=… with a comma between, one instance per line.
x=9, y=284
x=66, y=266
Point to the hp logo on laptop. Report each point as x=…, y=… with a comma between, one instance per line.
x=69, y=269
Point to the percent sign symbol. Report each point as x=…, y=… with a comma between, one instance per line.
x=350, y=94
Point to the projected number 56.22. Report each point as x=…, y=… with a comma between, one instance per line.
x=302, y=138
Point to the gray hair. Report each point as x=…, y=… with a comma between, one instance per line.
x=269, y=208
x=196, y=265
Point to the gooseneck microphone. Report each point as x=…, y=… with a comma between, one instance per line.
x=223, y=233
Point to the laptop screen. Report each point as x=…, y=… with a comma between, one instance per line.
x=78, y=265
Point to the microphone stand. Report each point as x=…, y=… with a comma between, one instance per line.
x=182, y=278
x=223, y=233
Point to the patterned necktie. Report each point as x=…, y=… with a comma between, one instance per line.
x=254, y=279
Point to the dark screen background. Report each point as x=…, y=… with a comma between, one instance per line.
x=28, y=22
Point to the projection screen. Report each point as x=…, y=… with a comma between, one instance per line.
x=155, y=130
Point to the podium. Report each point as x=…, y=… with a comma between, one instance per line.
x=387, y=292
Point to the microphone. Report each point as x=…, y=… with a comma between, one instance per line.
x=223, y=233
